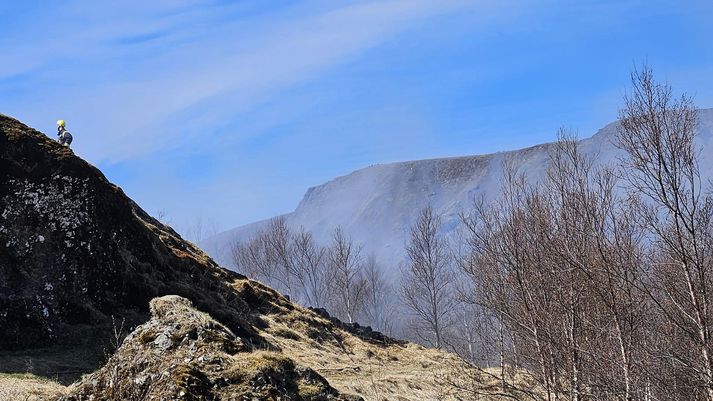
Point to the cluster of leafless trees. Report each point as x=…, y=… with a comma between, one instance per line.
x=594, y=282
x=422, y=306
x=599, y=278
x=336, y=277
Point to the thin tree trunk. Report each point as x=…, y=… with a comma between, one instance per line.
x=502, y=352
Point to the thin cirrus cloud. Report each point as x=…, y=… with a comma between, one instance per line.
x=150, y=69
x=231, y=109
x=139, y=80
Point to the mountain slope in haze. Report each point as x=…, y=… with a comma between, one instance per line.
x=80, y=261
x=377, y=205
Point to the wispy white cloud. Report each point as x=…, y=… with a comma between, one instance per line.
x=151, y=93
x=260, y=99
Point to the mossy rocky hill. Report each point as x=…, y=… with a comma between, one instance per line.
x=77, y=256
x=75, y=250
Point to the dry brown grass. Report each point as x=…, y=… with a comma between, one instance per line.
x=183, y=353
x=352, y=365
x=300, y=341
x=26, y=387
x=379, y=372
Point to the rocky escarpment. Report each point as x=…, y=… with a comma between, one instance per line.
x=75, y=251
x=364, y=332
x=80, y=263
x=184, y=354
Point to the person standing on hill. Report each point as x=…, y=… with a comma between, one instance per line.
x=64, y=137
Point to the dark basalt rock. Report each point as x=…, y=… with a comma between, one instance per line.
x=75, y=251
x=364, y=332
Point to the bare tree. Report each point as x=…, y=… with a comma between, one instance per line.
x=200, y=229
x=268, y=256
x=600, y=243
x=474, y=335
x=250, y=258
x=162, y=216
x=314, y=275
x=379, y=304
x=603, y=294
x=280, y=253
x=657, y=132
x=514, y=279
x=348, y=289
x=427, y=279
x=533, y=260
x=311, y=270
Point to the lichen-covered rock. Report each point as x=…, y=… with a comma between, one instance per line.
x=184, y=354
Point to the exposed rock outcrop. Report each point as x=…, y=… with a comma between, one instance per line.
x=184, y=354
x=80, y=262
x=75, y=251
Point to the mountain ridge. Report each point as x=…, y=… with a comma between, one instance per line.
x=376, y=204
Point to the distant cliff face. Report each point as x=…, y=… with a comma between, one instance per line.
x=378, y=204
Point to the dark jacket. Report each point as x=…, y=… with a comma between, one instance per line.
x=65, y=138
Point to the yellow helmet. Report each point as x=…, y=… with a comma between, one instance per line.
x=60, y=123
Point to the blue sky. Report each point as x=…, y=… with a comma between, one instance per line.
x=227, y=111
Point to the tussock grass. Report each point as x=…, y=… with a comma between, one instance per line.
x=28, y=387
x=355, y=366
